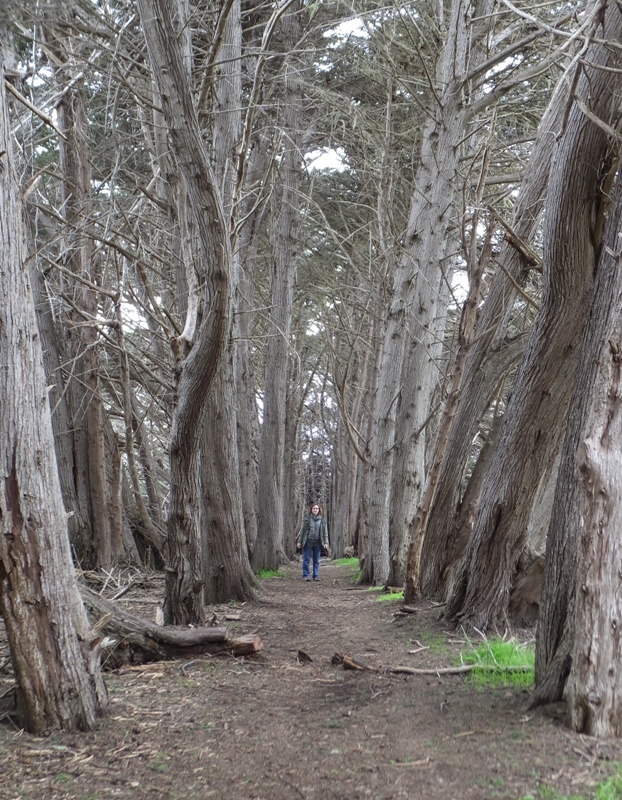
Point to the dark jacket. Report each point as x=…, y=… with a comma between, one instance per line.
x=304, y=532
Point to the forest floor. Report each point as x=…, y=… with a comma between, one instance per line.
x=289, y=723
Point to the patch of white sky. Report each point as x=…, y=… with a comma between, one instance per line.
x=333, y=157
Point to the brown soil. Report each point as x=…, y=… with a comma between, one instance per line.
x=279, y=727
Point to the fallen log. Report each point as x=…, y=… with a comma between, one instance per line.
x=130, y=639
x=457, y=670
x=246, y=645
x=351, y=662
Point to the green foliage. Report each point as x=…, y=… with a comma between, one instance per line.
x=501, y=663
x=610, y=789
x=270, y=573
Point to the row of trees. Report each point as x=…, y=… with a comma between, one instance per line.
x=414, y=336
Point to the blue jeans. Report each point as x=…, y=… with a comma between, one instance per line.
x=311, y=551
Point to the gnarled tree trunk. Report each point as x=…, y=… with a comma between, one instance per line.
x=197, y=369
x=579, y=601
x=55, y=660
x=534, y=422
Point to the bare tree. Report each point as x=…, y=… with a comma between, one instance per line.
x=269, y=546
x=415, y=322
x=54, y=654
x=205, y=346
x=438, y=536
x=534, y=423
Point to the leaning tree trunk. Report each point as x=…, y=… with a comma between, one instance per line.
x=439, y=533
x=534, y=421
x=476, y=264
x=573, y=550
x=197, y=369
x=56, y=662
x=54, y=355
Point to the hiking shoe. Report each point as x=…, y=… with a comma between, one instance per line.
x=307, y=579
x=317, y=580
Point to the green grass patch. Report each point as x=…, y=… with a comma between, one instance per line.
x=610, y=789
x=353, y=563
x=391, y=596
x=160, y=764
x=270, y=573
x=501, y=663
x=387, y=595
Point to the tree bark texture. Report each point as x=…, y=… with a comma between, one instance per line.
x=137, y=640
x=594, y=692
x=415, y=321
x=582, y=539
x=269, y=545
x=196, y=372
x=352, y=370
x=94, y=543
x=488, y=359
x=56, y=666
x=534, y=422
x=226, y=568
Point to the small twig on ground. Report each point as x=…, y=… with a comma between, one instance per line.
x=420, y=763
x=188, y=664
x=123, y=591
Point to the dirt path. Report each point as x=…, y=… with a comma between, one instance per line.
x=280, y=728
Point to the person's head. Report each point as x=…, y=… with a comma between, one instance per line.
x=315, y=509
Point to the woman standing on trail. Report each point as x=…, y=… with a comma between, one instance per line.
x=312, y=540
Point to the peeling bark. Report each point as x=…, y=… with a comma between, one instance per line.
x=55, y=661
x=534, y=423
